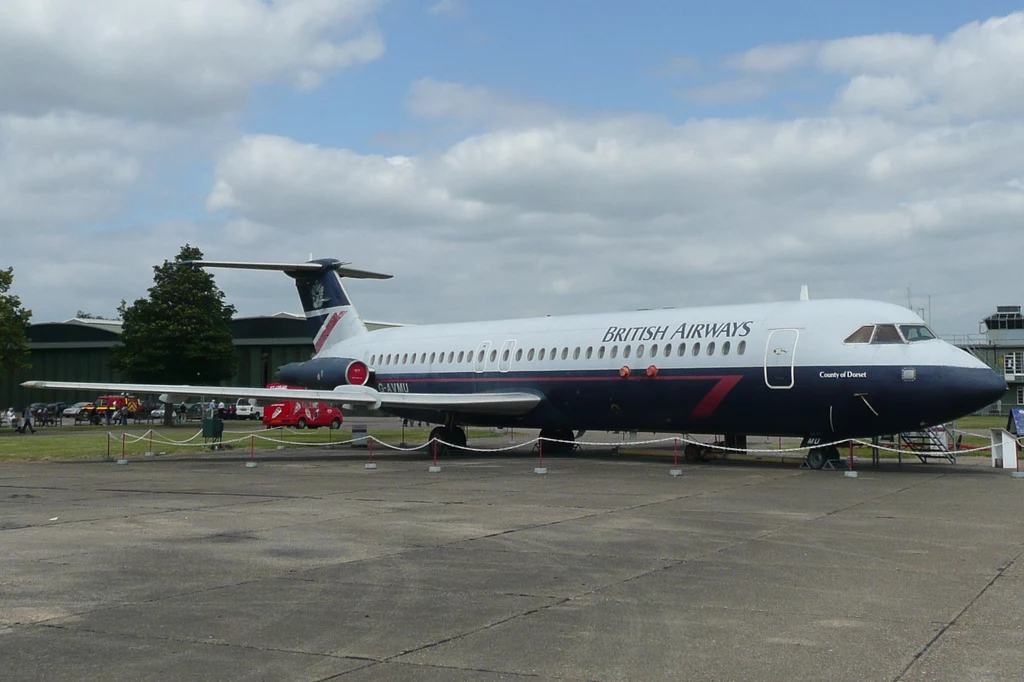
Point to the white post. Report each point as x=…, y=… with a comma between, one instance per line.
x=1004, y=449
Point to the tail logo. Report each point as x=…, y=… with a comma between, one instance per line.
x=327, y=328
x=317, y=294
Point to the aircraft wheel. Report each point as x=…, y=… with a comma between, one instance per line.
x=458, y=436
x=443, y=436
x=301, y=424
x=692, y=453
x=816, y=458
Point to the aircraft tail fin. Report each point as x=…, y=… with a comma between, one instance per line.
x=330, y=315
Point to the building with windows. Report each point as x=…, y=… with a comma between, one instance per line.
x=1001, y=347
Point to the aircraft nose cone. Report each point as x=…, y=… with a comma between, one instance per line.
x=994, y=388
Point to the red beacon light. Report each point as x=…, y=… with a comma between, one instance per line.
x=624, y=372
x=357, y=373
x=652, y=372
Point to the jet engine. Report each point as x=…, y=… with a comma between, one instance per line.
x=325, y=373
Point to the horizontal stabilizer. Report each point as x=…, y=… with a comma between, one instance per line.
x=337, y=266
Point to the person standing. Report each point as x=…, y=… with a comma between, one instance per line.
x=27, y=420
x=12, y=418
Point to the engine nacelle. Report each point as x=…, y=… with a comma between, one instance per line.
x=325, y=373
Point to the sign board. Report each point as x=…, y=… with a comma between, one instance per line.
x=1015, y=424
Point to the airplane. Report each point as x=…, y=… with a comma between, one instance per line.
x=822, y=370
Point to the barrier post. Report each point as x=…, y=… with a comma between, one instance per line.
x=124, y=456
x=108, y=458
x=850, y=473
x=370, y=465
x=280, y=437
x=675, y=470
x=540, y=468
x=434, y=468
x=150, y=453
x=251, y=464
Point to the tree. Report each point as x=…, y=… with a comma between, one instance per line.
x=13, y=320
x=180, y=334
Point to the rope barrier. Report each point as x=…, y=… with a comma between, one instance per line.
x=161, y=439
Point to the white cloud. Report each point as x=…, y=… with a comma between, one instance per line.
x=772, y=58
x=447, y=8
x=634, y=211
x=172, y=59
x=912, y=177
x=438, y=100
x=973, y=72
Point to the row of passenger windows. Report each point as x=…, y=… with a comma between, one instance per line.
x=653, y=351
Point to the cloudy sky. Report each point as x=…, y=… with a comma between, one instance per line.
x=517, y=158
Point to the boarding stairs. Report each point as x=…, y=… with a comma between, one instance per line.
x=928, y=444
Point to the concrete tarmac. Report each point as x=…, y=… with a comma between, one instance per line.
x=607, y=568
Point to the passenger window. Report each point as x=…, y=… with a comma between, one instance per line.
x=388, y=360
x=480, y=357
x=640, y=351
x=576, y=353
x=625, y=351
x=519, y=355
x=504, y=355
x=372, y=358
x=451, y=356
x=668, y=349
x=590, y=352
x=711, y=348
x=540, y=356
x=682, y=350
x=726, y=347
x=462, y=354
x=469, y=356
x=741, y=348
x=600, y=353
x=565, y=353
x=886, y=334
x=862, y=335
x=529, y=356
x=494, y=355
x=654, y=351
x=431, y=358
x=615, y=351
x=554, y=352
x=696, y=349
x=916, y=332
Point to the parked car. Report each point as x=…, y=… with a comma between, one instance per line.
x=75, y=409
x=247, y=408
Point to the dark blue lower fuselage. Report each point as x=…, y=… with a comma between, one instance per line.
x=823, y=401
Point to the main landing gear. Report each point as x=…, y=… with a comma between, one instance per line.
x=817, y=457
x=448, y=436
x=553, y=440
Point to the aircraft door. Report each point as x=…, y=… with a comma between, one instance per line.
x=480, y=359
x=505, y=356
x=780, y=357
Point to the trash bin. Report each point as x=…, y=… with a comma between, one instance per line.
x=213, y=428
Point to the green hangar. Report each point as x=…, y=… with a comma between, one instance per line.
x=79, y=350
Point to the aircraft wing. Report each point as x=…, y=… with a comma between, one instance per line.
x=360, y=396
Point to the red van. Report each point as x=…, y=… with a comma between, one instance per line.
x=302, y=414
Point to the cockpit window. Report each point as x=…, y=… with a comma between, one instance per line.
x=862, y=335
x=916, y=332
x=886, y=333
